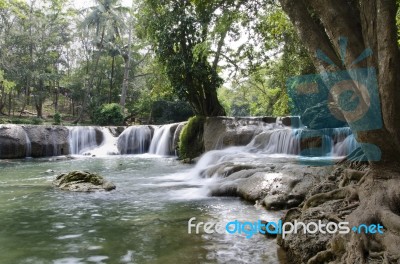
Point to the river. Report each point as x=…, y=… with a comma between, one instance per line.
x=145, y=220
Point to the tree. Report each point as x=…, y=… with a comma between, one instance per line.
x=370, y=27
x=107, y=18
x=180, y=32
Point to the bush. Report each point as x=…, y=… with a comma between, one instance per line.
x=109, y=115
x=57, y=118
x=164, y=111
x=191, y=139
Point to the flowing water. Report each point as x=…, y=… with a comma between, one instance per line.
x=143, y=221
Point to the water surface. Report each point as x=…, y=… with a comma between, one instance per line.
x=143, y=221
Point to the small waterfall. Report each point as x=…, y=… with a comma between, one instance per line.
x=135, y=140
x=82, y=139
x=284, y=141
x=161, y=142
x=109, y=145
x=346, y=146
x=28, y=146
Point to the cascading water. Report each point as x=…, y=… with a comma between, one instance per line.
x=135, y=140
x=161, y=142
x=82, y=139
x=28, y=146
x=109, y=145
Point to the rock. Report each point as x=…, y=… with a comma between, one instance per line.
x=80, y=181
x=320, y=116
x=279, y=186
x=292, y=121
x=177, y=133
x=48, y=141
x=116, y=130
x=220, y=132
x=49, y=171
x=13, y=142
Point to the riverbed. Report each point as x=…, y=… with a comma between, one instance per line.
x=145, y=220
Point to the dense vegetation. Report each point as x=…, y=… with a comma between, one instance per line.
x=161, y=61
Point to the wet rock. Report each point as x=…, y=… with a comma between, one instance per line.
x=13, y=142
x=81, y=181
x=278, y=187
x=116, y=130
x=48, y=140
x=221, y=132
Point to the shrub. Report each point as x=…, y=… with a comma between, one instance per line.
x=37, y=121
x=109, y=114
x=57, y=118
x=191, y=139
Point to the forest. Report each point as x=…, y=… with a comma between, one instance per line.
x=153, y=61
x=292, y=106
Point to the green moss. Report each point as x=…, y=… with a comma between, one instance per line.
x=80, y=176
x=191, y=139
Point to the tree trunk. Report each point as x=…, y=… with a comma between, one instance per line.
x=111, y=80
x=125, y=83
x=91, y=80
x=366, y=24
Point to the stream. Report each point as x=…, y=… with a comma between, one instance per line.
x=145, y=220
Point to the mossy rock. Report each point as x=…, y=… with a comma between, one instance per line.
x=82, y=181
x=191, y=144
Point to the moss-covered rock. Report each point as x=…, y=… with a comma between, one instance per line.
x=191, y=143
x=82, y=181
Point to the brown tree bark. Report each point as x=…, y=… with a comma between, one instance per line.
x=366, y=24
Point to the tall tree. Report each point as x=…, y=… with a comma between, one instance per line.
x=370, y=27
x=180, y=32
x=107, y=19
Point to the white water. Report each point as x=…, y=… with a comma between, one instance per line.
x=161, y=142
x=109, y=145
x=134, y=140
x=28, y=146
x=82, y=139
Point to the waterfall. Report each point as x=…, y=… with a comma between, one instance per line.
x=135, y=140
x=28, y=146
x=345, y=147
x=109, y=145
x=161, y=142
x=333, y=141
x=284, y=141
x=82, y=139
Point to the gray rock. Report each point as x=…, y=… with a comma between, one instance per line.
x=13, y=142
x=48, y=140
x=80, y=181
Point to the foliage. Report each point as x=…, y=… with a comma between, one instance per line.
x=179, y=32
x=57, y=118
x=22, y=121
x=191, y=139
x=164, y=112
x=109, y=114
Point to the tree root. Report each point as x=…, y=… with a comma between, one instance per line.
x=322, y=257
x=348, y=192
x=390, y=220
x=351, y=175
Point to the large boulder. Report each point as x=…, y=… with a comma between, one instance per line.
x=276, y=186
x=13, y=142
x=82, y=181
x=48, y=140
x=321, y=116
x=221, y=132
